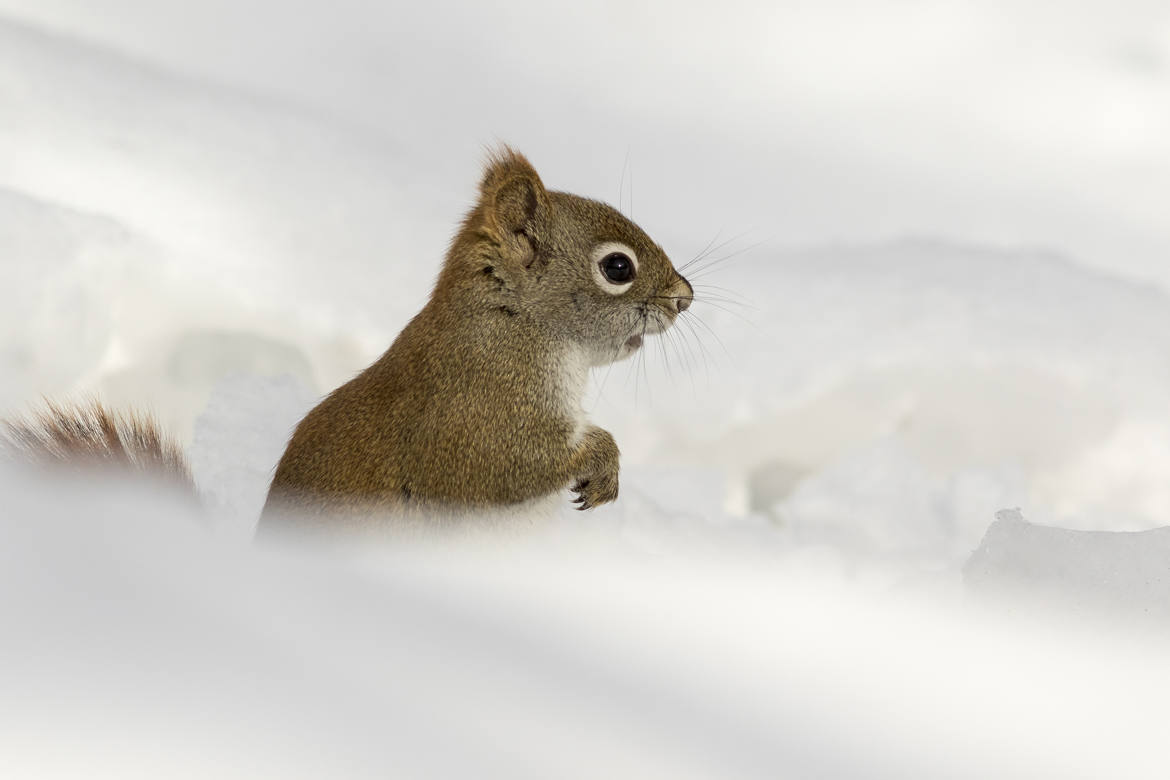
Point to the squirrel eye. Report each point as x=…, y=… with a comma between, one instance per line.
x=617, y=268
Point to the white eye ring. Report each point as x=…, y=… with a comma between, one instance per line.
x=600, y=252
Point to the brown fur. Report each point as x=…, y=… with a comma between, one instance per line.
x=470, y=406
x=91, y=435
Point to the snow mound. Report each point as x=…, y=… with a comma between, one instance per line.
x=1117, y=573
x=238, y=440
x=134, y=637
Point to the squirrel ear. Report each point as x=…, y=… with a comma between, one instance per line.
x=512, y=194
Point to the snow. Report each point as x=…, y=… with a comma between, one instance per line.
x=1110, y=572
x=138, y=646
x=239, y=437
x=961, y=310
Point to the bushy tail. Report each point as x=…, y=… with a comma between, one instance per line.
x=89, y=435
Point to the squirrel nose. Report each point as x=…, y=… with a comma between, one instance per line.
x=683, y=301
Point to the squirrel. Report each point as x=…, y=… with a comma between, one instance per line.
x=477, y=403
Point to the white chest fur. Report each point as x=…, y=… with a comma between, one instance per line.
x=570, y=373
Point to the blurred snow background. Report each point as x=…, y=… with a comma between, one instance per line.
x=950, y=297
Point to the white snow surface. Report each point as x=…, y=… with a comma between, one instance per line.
x=137, y=645
x=959, y=310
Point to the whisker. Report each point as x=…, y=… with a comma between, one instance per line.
x=703, y=299
x=671, y=340
x=711, y=290
x=727, y=301
x=665, y=357
x=706, y=268
x=726, y=310
x=639, y=364
x=642, y=355
x=702, y=253
x=622, y=183
x=631, y=189
x=709, y=250
x=694, y=338
x=679, y=340
x=699, y=320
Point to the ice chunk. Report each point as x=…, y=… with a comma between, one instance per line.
x=1118, y=571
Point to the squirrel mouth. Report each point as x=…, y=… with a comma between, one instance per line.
x=633, y=342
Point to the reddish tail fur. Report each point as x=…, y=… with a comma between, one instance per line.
x=91, y=435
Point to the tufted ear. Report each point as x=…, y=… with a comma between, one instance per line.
x=512, y=196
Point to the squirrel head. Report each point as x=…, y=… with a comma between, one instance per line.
x=573, y=266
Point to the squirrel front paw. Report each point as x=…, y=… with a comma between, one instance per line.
x=597, y=480
x=593, y=492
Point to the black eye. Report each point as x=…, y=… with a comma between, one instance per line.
x=617, y=268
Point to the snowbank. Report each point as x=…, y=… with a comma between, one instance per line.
x=136, y=645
